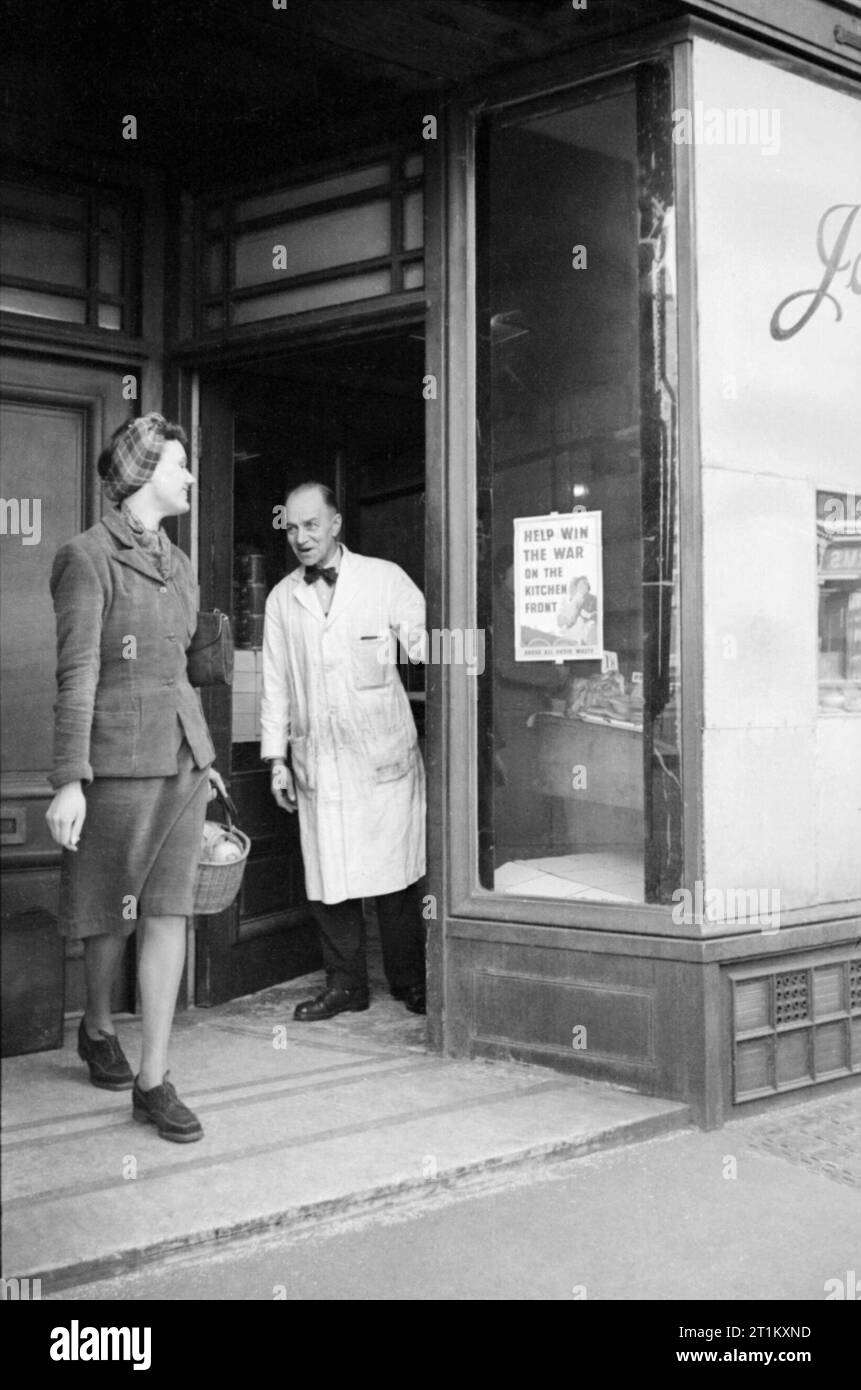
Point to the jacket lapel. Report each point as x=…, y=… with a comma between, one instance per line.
x=127, y=553
x=303, y=595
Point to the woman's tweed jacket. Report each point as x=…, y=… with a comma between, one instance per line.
x=124, y=701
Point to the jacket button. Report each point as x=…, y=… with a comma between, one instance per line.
x=171, y=681
x=171, y=636
x=163, y=590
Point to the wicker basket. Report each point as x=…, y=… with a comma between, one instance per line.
x=217, y=885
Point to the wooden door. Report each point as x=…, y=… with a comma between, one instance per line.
x=54, y=420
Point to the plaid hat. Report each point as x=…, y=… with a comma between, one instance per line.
x=134, y=454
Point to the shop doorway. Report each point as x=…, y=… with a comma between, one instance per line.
x=350, y=415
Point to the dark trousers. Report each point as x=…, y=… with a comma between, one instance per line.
x=342, y=936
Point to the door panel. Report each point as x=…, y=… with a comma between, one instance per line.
x=36, y=439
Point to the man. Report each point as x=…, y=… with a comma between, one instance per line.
x=332, y=696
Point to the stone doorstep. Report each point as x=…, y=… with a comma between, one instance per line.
x=482, y=1174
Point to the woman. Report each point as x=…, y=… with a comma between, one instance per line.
x=132, y=758
x=579, y=614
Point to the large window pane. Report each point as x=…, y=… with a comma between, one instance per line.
x=577, y=514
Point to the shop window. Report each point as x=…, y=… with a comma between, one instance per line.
x=67, y=256
x=353, y=235
x=838, y=526
x=577, y=504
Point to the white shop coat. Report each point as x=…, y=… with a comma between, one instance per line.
x=331, y=689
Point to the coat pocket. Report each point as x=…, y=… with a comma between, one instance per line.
x=391, y=754
x=303, y=757
x=371, y=658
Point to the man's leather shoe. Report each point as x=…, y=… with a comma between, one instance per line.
x=330, y=1003
x=162, y=1107
x=106, y=1060
x=413, y=997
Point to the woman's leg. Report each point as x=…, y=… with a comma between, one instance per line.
x=162, y=957
x=102, y=956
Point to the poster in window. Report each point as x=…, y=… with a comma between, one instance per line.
x=558, y=587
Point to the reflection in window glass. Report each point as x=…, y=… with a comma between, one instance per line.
x=414, y=275
x=307, y=297
x=43, y=306
x=314, y=243
x=338, y=187
x=110, y=316
x=578, y=703
x=413, y=224
x=838, y=526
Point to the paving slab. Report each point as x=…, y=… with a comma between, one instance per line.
x=302, y=1123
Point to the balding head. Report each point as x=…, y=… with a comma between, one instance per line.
x=325, y=492
x=313, y=523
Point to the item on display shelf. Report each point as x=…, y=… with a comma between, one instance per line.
x=249, y=596
x=840, y=696
x=249, y=565
x=603, y=697
x=249, y=631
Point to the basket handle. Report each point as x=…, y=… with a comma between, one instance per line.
x=228, y=806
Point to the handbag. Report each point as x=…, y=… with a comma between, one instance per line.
x=209, y=659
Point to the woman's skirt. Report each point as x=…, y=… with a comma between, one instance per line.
x=138, y=852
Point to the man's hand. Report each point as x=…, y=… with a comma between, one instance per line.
x=216, y=784
x=283, y=788
x=66, y=815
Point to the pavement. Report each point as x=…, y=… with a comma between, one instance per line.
x=305, y=1124
x=765, y=1212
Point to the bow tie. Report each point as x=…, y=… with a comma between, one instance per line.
x=314, y=572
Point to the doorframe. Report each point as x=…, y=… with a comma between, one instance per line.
x=186, y=375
